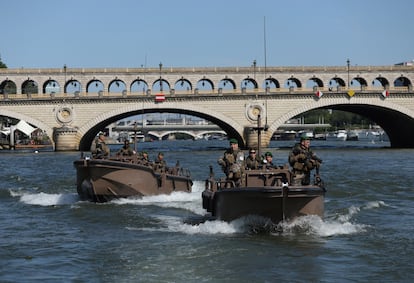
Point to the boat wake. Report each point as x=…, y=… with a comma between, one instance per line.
x=45, y=199
x=181, y=200
x=310, y=225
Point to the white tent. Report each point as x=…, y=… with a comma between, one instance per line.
x=24, y=127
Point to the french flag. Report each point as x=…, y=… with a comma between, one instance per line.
x=319, y=94
x=385, y=93
x=159, y=97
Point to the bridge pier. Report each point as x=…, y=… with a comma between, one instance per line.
x=251, y=138
x=65, y=139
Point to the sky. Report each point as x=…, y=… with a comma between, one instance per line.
x=213, y=33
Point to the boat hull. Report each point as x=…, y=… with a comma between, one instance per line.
x=101, y=180
x=278, y=204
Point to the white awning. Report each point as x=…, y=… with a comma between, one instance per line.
x=24, y=127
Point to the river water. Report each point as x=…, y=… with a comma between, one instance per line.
x=367, y=234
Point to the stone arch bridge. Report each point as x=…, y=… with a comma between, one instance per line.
x=383, y=94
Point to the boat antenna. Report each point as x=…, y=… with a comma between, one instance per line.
x=259, y=130
x=265, y=69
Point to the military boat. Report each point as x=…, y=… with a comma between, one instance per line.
x=263, y=192
x=268, y=192
x=102, y=180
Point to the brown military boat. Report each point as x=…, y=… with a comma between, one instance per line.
x=101, y=180
x=264, y=192
x=267, y=192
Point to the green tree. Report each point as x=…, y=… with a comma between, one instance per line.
x=2, y=65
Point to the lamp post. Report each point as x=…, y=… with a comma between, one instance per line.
x=160, y=76
x=254, y=69
x=347, y=64
x=64, y=85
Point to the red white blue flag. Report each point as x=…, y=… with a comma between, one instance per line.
x=385, y=93
x=319, y=94
x=159, y=97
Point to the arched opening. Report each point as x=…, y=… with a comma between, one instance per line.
x=29, y=87
x=51, y=87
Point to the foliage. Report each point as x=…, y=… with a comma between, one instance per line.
x=336, y=118
x=2, y=65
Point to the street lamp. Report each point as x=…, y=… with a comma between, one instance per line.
x=160, y=76
x=254, y=69
x=64, y=85
x=347, y=64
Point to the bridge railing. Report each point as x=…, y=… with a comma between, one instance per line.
x=214, y=92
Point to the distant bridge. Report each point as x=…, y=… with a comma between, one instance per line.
x=195, y=130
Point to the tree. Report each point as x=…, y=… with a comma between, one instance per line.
x=2, y=65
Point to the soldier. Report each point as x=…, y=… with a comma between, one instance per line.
x=252, y=161
x=160, y=164
x=125, y=150
x=232, y=162
x=268, y=161
x=303, y=160
x=99, y=148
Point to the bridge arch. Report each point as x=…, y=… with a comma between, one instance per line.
x=248, y=83
x=386, y=115
x=227, y=83
x=73, y=86
x=29, y=86
x=402, y=82
x=8, y=87
x=88, y=132
x=271, y=83
x=51, y=86
x=38, y=124
x=161, y=84
x=116, y=86
x=382, y=81
x=205, y=84
x=139, y=85
x=94, y=86
x=183, y=84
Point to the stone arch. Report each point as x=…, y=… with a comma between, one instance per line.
x=30, y=120
x=116, y=86
x=271, y=83
x=8, y=87
x=382, y=81
x=314, y=82
x=248, y=83
x=384, y=113
x=183, y=85
x=94, y=86
x=293, y=82
x=87, y=133
x=29, y=86
x=227, y=83
x=402, y=81
x=73, y=86
x=205, y=84
x=161, y=84
x=51, y=86
x=139, y=85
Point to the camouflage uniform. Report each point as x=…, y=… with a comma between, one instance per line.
x=302, y=160
x=252, y=163
x=233, y=164
x=125, y=150
x=99, y=148
x=160, y=165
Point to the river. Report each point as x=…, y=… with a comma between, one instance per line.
x=367, y=234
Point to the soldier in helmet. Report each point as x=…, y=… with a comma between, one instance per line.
x=99, y=148
x=303, y=161
x=253, y=161
x=232, y=162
